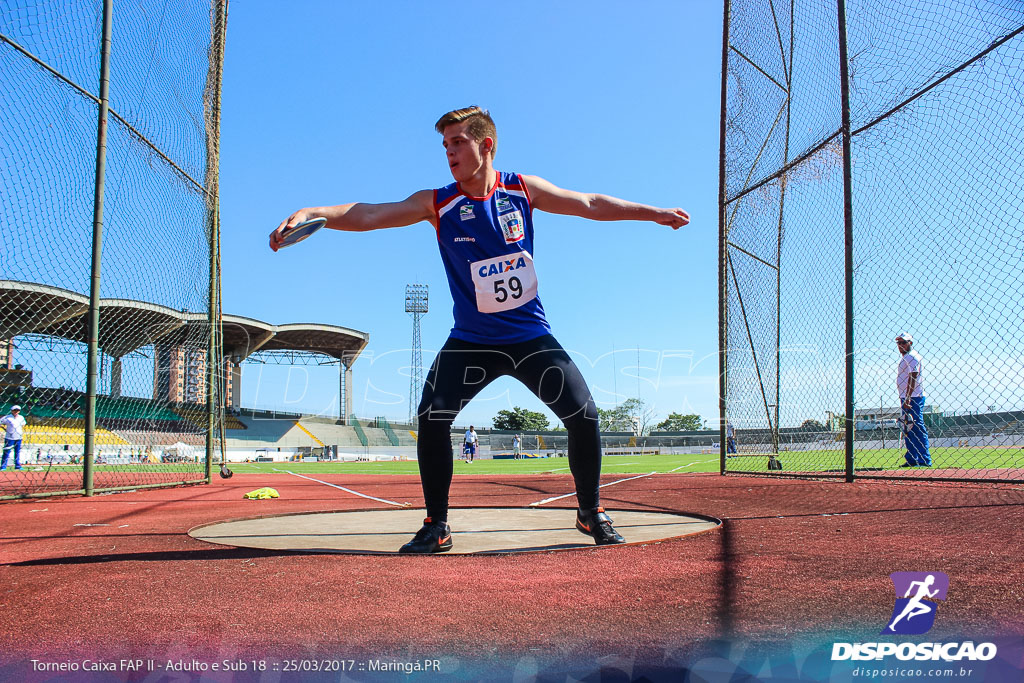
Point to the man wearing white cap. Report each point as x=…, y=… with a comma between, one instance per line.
x=910, y=384
x=14, y=424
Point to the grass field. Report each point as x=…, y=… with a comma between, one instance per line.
x=884, y=459
x=554, y=465
x=792, y=461
x=612, y=464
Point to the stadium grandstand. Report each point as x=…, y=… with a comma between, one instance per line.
x=48, y=324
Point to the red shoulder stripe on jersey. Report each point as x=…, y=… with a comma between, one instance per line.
x=437, y=217
x=438, y=202
x=526, y=190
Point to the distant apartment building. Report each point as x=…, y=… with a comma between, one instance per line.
x=12, y=374
x=179, y=375
x=7, y=354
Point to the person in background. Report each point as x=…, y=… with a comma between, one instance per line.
x=471, y=441
x=14, y=426
x=910, y=384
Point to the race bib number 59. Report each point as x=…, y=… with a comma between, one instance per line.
x=504, y=282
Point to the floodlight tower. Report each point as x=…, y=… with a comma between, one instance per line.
x=416, y=304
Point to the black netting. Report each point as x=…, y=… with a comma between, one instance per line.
x=159, y=238
x=937, y=169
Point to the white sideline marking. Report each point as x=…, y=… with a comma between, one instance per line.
x=618, y=481
x=354, y=493
x=691, y=464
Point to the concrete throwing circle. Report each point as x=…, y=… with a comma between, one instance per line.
x=474, y=530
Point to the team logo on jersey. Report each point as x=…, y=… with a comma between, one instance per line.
x=504, y=205
x=466, y=212
x=512, y=226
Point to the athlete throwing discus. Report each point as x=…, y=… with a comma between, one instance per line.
x=484, y=225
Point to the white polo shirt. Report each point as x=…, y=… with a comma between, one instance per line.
x=470, y=437
x=15, y=426
x=910, y=363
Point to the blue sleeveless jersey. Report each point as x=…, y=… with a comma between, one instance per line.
x=486, y=245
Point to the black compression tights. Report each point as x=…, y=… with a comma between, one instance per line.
x=462, y=369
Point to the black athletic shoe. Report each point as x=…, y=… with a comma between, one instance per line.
x=433, y=537
x=596, y=524
x=907, y=464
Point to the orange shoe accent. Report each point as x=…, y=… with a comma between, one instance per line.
x=428, y=520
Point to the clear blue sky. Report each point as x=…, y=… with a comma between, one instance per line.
x=331, y=102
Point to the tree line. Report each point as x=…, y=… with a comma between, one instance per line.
x=632, y=415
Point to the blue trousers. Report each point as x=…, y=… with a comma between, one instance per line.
x=9, y=445
x=917, y=438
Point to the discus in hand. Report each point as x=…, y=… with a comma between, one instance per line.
x=906, y=422
x=296, y=234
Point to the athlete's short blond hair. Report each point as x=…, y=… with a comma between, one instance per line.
x=481, y=125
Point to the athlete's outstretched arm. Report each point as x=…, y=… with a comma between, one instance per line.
x=599, y=207
x=360, y=217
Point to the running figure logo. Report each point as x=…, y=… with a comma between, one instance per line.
x=912, y=615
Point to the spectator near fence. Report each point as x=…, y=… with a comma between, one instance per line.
x=909, y=382
x=14, y=425
x=517, y=447
x=730, y=437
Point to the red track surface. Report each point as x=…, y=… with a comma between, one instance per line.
x=793, y=559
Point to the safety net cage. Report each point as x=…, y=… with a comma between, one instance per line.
x=871, y=175
x=109, y=274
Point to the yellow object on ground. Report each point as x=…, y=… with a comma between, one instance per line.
x=263, y=493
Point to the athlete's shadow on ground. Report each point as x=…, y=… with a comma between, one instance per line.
x=726, y=579
x=159, y=556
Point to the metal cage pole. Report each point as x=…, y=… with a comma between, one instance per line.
x=723, y=298
x=89, y=444
x=844, y=75
x=215, y=352
x=212, y=369
x=776, y=431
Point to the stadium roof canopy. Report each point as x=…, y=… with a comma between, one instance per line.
x=126, y=325
x=245, y=336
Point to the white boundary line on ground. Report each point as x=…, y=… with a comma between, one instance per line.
x=354, y=493
x=690, y=464
x=618, y=481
